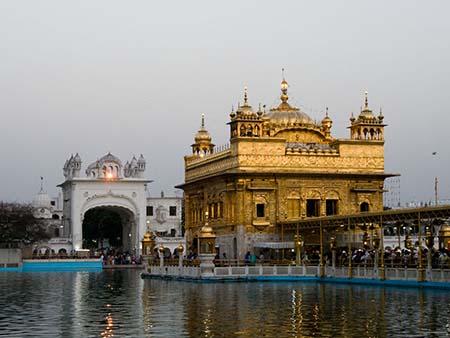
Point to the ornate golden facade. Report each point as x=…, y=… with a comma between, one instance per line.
x=280, y=165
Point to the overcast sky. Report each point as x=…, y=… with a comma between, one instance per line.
x=133, y=77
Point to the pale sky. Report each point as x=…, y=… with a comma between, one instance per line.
x=133, y=77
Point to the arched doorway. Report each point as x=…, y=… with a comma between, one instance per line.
x=364, y=207
x=108, y=227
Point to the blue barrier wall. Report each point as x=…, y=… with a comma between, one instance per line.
x=61, y=265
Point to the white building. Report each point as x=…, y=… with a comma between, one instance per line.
x=50, y=210
x=164, y=219
x=108, y=187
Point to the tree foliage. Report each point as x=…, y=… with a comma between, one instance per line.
x=19, y=226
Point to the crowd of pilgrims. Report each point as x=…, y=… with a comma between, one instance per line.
x=395, y=257
x=113, y=257
x=392, y=257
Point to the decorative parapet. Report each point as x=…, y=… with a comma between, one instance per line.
x=196, y=159
x=210, y=165
x=315, y=149
x=330, y=163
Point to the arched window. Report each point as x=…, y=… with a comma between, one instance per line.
x=242, y=129
x=249, y=130
x=55, y=216
x=380, y=134
x=364, y=207
x=104, y=171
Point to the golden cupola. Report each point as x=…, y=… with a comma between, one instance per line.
x=245, y=111
x=367, y=126
x=366, y=114
x=244, y=121
x=202, y=141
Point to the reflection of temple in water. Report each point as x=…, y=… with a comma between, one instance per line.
x=304, y=310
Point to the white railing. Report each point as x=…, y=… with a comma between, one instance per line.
x=398, y=274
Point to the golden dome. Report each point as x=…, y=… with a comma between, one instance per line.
x=366, y=113
x=326, y=119
x=285, y=114
x=202, y=135
x=245, y=110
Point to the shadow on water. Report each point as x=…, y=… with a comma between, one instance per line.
x=119, y=303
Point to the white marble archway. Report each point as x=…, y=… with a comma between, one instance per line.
x=124, y=205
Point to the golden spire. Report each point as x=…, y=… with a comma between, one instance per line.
x=245, y=96
x=203, y=121
x=366, y=113
x=284, y=106
x=284, y=87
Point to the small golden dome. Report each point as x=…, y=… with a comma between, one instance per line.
x=246, y=109
x=366, y=113
x=202, y=134
x=326, y=119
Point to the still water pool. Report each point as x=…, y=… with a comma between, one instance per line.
x=120, y=304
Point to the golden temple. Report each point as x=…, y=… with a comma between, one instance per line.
x=280, y=165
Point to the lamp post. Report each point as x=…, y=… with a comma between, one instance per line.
x=397, y=230
x=333, y=254
x=366, y=240
x=382, y=269
x=148, y=243
x=421, y=270
x=429, y=241
x=161, y=255
x=376, y=245
x=206, y=241
x=435, y=184
x=180, y=250
x=321, y=265
x=350, y=253
x=298, y=249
